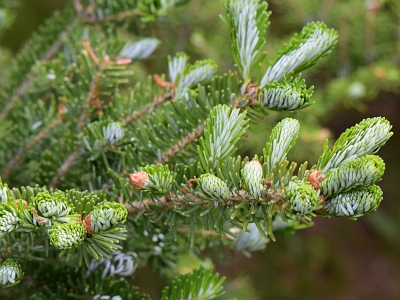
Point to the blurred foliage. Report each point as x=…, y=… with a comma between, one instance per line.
x=338, y=259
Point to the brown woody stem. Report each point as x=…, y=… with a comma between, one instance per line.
x=184, y=142
x=136, y=115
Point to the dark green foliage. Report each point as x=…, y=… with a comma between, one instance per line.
x=138, y=172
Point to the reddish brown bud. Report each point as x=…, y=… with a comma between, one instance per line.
x=315, y=178
x=87, y=223
x=138, y=180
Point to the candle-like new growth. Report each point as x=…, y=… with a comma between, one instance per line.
x=53, y=207
x=223, y=129
x=66, y=236
x=302, y=198
x=184, y=76
x=302, y=51
x=120, y=264
x=247, y=21
x=160, y=179
x=288, y=95
x=10, y=273
x=201, y=284
x=176, y=66
x=250, y=241
x=106, y=215
x=214, y=187
x=282, y=139
x=360, y=172
x=200, y=71
x=8, y=219
x=365, y=138
x=355, y=203
x=252, y=176
x=140, y=49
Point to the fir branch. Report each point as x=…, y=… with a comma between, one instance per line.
x=282, y=139
x=289, y=95
x=14, y=163
x=95, y=85
x=177, y=201
x=26, y=84
x=362, y=139
x=140, y=49
x=94, y=90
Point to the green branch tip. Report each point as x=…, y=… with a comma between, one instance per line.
x=357, y=173
x=302, y=198
x=252, y=176
x=365, y=138
x=9, y=219
x=10, y=273
x=247, y=21
x=287, y=96
x=106, y=215
x=214, y=187
x=355, y=203
x=302, y=51
x=67, y=235
x=159, y=180
x=53, y=207
x=224, y=127
x=282, y=139
x=200, y=284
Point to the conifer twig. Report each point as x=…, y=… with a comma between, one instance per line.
x=185, y=141
x=25, y=85
x=117, y=17
x=137, y=114
x=15, y=162
x=95, y=85
x=176, y=201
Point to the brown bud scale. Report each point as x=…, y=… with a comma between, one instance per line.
x=138, y=180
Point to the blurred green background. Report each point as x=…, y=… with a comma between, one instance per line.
x=337, y=258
